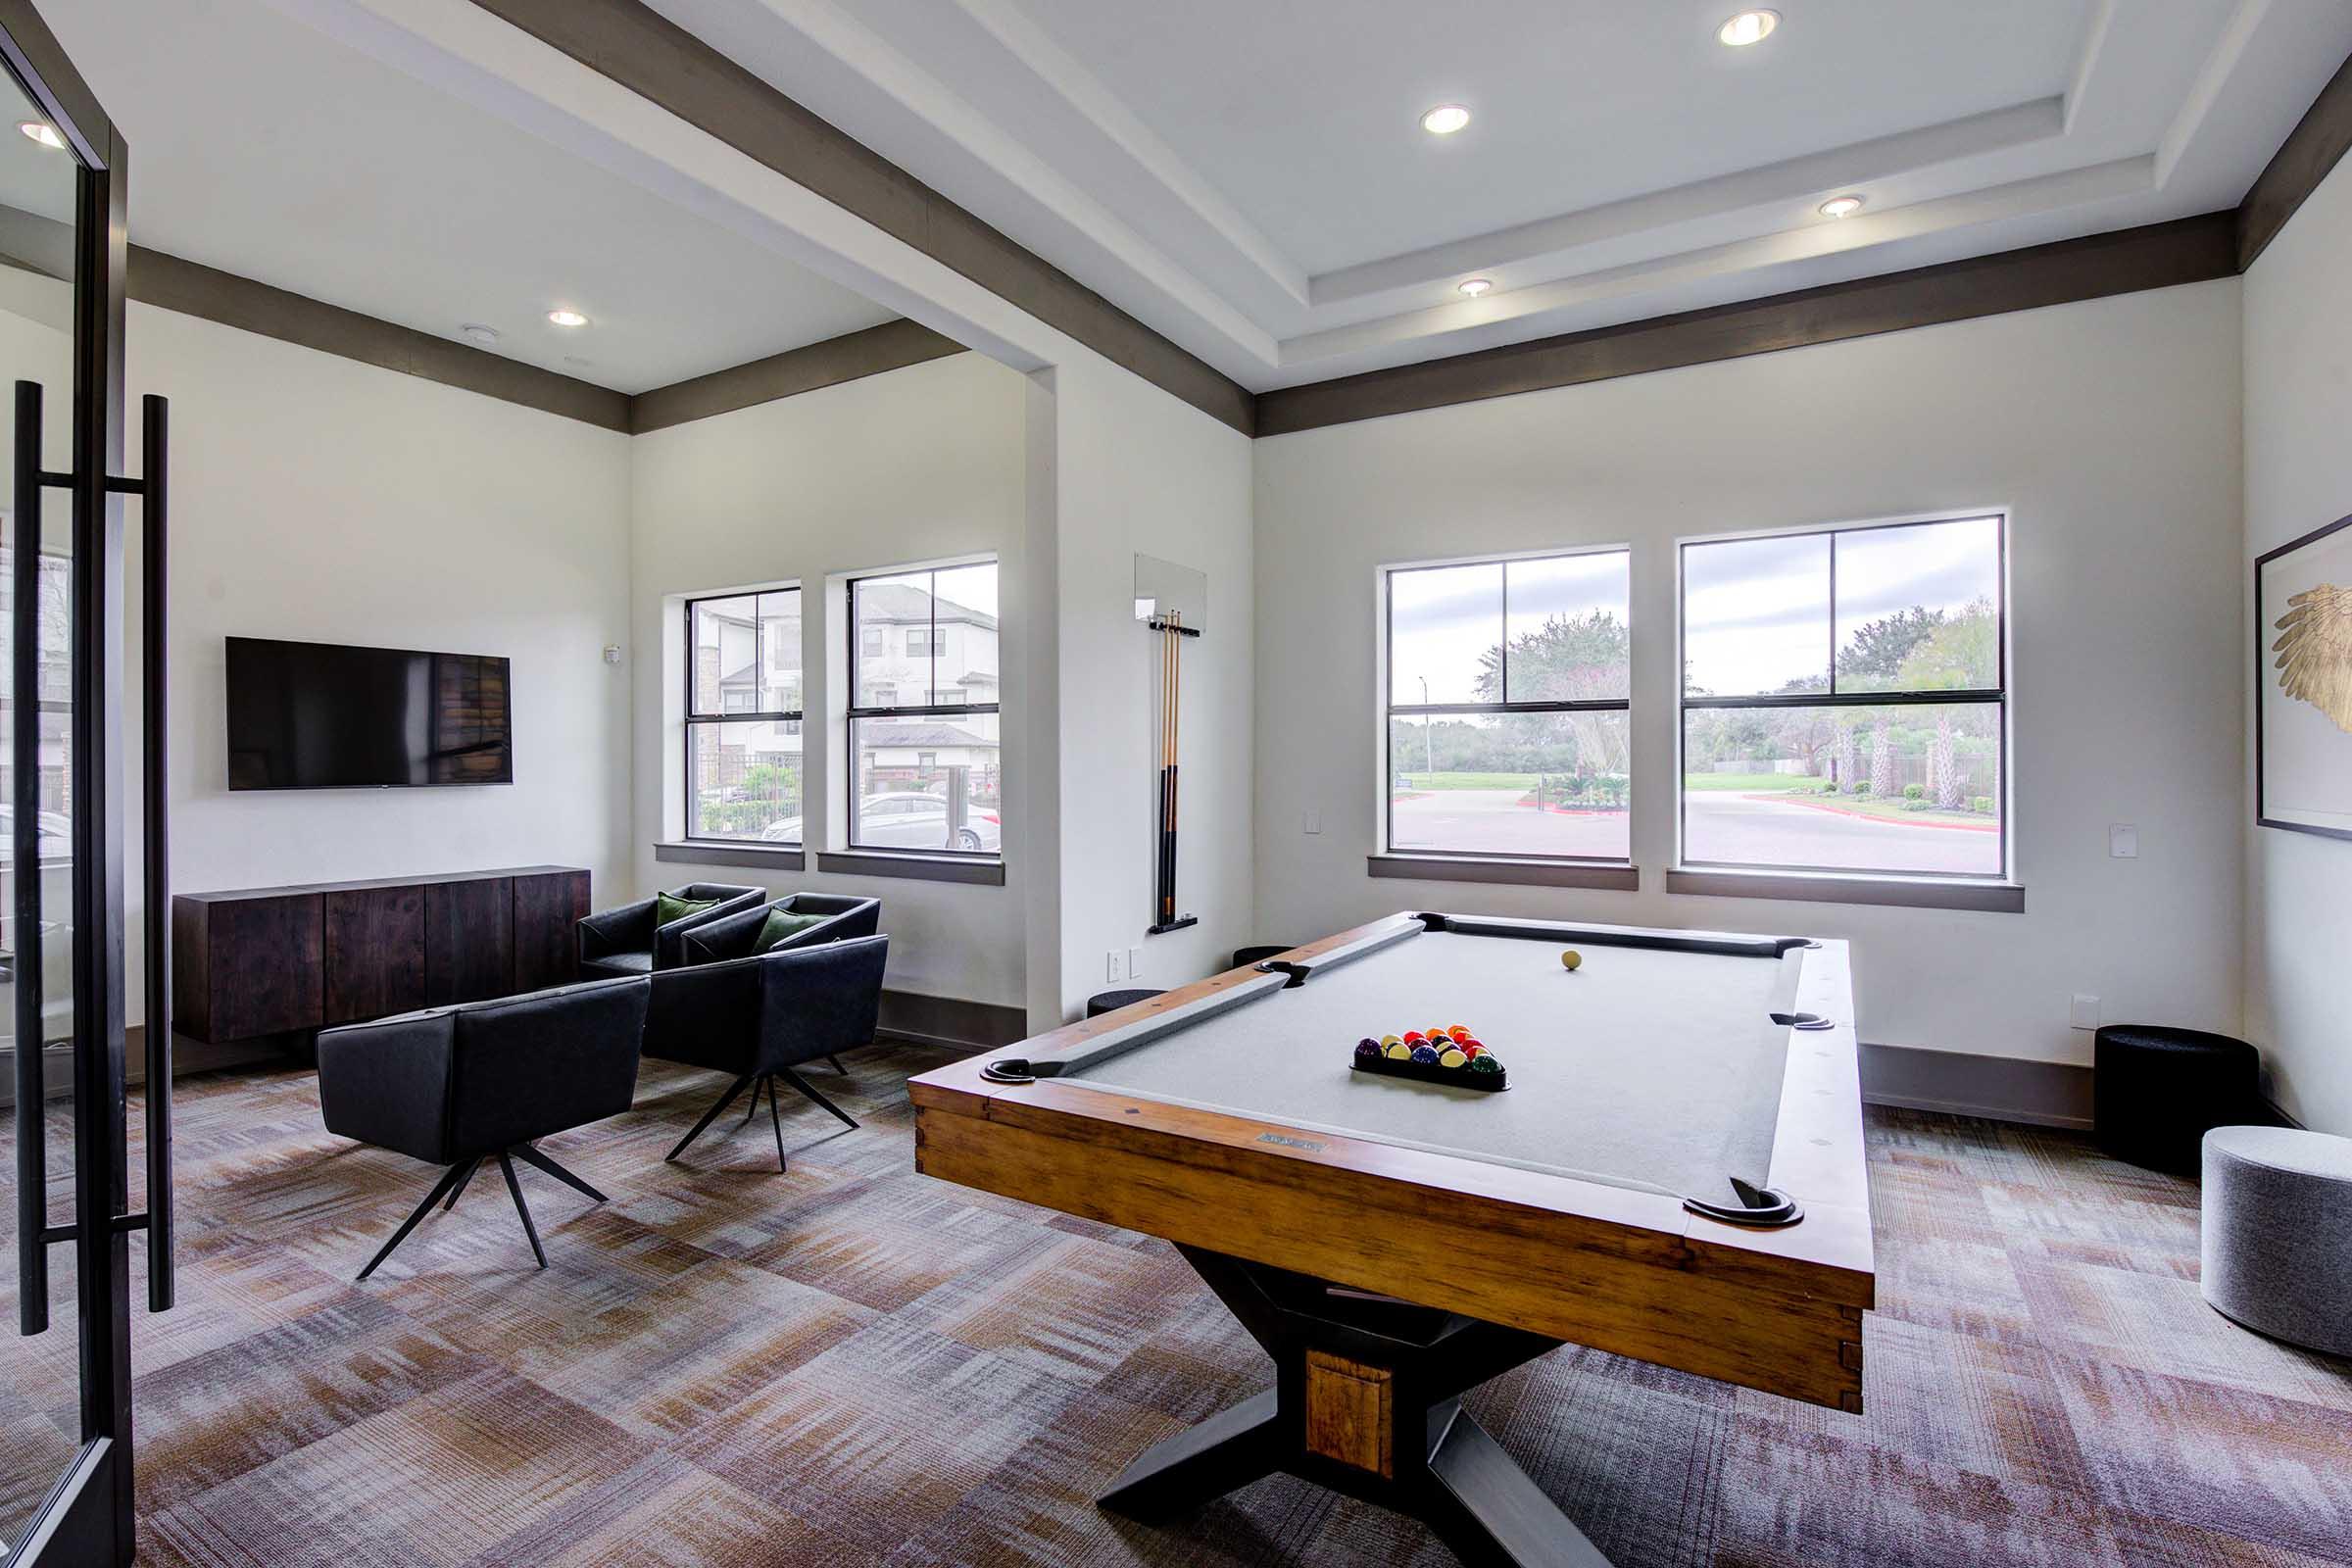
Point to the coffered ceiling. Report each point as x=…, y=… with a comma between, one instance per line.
x=1253, y=180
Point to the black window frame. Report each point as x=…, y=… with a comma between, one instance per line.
x=719, y=715
x=1390, y=710
x=930, y=709
x=1995, y=696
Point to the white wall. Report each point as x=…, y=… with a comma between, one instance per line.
x=2111, y=433
x=917, y=465
x=1134, y=470
x=2298, y=397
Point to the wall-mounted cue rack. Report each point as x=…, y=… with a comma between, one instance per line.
x=1171, y=601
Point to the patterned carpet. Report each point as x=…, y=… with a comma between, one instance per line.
x=854, y=1364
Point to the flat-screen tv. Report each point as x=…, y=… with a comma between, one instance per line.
x=322, y=716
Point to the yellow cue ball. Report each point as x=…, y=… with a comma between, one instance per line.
x=1572, y=959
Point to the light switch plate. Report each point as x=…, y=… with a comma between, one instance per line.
x=1135, y=962
x=1314, y=819
x=2122, y=842
x=2084, y=1013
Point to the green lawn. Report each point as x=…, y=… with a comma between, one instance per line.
x=1893, y=809
x=1740, y=781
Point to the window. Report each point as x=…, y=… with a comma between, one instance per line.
x=744, y=777
x=1509, y=686
x=1844, y=701
x=926, y=771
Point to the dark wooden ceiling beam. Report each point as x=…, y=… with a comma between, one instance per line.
x=892, y=346
x=2309, y=153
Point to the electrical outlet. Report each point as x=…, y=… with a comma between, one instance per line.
x=1314, y=819
x=2084, y=1013
x=1112, y=962
x=2122, y=842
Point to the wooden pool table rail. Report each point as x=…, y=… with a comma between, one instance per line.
x=1624, y=1271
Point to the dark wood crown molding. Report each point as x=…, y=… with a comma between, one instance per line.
x=892, y=346
x=194, y=290
x=663, y=63
x=2307, y=156
x=2191, y=250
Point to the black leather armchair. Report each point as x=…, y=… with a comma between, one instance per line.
x=757, y=1018
x=458, y=1085
x=731, y=936
x=626, y=941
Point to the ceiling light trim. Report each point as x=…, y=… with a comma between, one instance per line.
x=1085, y=94
x=1859, y=164
x=1757, y=254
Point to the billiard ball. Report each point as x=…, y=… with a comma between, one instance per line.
x=1572, y=959
x=1459, y=1032
x=1400, y=1051
x=1485, y=1061
x=1413, y=1037
x=1367, y=1048
x=1387, y=1040
x=1451, y=1056
x=1472, y=1047
x=1425, y=1055
x=1436, y=1032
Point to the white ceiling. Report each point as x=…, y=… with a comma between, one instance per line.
x=266, y=148
x=1249, y=178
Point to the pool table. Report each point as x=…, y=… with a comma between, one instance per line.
x=1675, y=1172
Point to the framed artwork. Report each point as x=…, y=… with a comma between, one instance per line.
x=2303, y=684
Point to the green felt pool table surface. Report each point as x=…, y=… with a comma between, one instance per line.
x=1654, y=1069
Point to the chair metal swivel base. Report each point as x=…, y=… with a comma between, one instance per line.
x=755, y=1082
x=454, y=1181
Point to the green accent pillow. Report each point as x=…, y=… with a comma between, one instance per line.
x=783, y=923
x=668, y=908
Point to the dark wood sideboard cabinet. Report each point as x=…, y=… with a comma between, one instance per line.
x=255, y=962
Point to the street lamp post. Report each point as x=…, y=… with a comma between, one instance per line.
x=1428, y=727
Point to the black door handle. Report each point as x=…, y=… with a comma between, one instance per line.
x=24, y=862
x=155, y=437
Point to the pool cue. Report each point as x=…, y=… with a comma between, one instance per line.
x=1169, y=639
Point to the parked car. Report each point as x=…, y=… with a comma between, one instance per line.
x=907, y=820
x=56, y=833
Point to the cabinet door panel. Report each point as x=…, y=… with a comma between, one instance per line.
x=469, y=940
x=268, y=965
x=374, y=953
x=548, y=910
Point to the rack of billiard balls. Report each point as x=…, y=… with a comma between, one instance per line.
x=1446, y=1056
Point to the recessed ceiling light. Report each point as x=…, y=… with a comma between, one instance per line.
x=484, y=335
x=567, y=317
x=1842, y=207
x=1446, y=119
x=42, y=131
x=1749, y=27
x=1474, y=286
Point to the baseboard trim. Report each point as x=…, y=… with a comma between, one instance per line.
x=952, y=1021
x=1958, y=1082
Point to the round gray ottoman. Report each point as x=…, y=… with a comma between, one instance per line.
x=2277, y=1233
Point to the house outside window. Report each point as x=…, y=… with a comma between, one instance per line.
x=926, y=756
x=744, y=694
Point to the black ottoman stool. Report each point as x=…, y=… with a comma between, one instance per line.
x=1102, y=1001
x=2158, y=1091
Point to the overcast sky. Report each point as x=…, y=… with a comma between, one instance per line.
x=1758, y=610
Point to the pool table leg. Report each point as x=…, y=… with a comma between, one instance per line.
x=1368, y=1400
